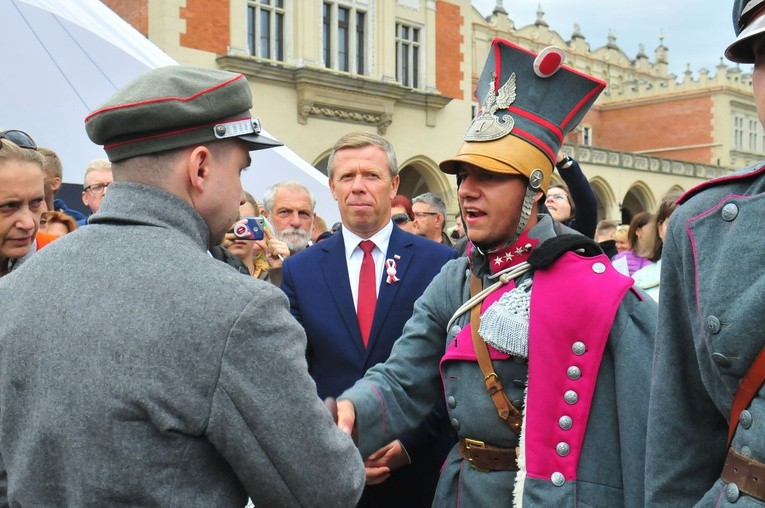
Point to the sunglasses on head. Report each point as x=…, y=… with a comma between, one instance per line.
x=400, y=218
x=19, y=138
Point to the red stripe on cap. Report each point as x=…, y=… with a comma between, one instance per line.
x=538, y=120
x=171, y=133
x=595, y=91
x=497, y=68
x=497, y=40
x=535, y=140
x=165, y=99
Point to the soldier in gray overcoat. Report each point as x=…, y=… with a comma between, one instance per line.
x=135, y=369
x=712, y=327
x=541, y=349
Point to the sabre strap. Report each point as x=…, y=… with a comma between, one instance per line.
x=747, y=390
x=506, y=410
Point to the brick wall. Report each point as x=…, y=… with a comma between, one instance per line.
x=681, y=122
x=449, y=57
x=135, y=12
x=207, y=25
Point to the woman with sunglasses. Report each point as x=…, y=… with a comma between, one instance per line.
x=401, y=213
x=22, y=197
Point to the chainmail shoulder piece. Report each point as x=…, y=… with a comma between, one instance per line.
x=505, y=325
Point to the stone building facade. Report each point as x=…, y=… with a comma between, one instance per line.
x=407, y=69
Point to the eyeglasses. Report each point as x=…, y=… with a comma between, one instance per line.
x=420, y=215
x=96, y=188
x=400, y=218
x=557, y=197
x=19, y=138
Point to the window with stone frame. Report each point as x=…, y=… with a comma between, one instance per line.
x=587, y=136
x=344, y=33
x=408, y=40
x=265, y=28
x=754, y=128
x=738, y=132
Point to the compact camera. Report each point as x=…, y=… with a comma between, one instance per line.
x=250, y=229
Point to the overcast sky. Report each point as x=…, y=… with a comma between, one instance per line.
x=695, y=31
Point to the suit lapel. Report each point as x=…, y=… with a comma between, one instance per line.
x=401, y=253
x=335, y=270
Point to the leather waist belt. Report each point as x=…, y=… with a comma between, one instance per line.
x=746, y=473
x=488, y=458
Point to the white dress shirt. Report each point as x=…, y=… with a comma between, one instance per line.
x=354, y=255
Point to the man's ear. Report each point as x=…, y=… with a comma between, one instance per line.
x=396, y=181
x=198, y=168
x=332, y=189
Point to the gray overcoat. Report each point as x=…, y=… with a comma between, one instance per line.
x=610, y=459
x=135, y=369
x=711, y=327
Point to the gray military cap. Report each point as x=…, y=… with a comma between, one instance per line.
x=173, y=107
x=748, y=22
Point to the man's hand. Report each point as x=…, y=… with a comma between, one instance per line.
x=276, y=251
x=346, y=417
x=383, y=461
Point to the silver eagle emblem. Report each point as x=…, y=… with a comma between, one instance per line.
x=487, y=126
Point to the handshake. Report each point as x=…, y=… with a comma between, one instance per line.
x=347, y=424
x=378, y=465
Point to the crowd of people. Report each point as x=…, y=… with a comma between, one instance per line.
x=240, y=348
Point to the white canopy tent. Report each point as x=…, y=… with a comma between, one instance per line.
x=62, y=59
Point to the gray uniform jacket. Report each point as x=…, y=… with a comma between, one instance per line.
x=711, y=327
x=396, y=394
x=135, y=369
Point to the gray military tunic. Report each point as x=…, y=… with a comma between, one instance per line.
x=711, y=327
x=135, y=369
x=395, y=395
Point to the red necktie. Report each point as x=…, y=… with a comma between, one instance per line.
x=365, y=310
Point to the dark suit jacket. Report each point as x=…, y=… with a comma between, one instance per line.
x=316, y=282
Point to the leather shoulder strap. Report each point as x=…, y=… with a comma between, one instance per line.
x=749, y=387
x=505, y=408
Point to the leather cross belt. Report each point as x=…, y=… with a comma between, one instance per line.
x=746, y=473
x=488, y=458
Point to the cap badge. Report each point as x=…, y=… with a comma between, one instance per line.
x=487, y=126
x=237, y=128
x=536, y=178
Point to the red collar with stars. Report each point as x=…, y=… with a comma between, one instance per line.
x=511, y=255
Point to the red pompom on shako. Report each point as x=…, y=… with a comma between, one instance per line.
x=549, y=61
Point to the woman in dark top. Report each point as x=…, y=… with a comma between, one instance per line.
x=574, y=203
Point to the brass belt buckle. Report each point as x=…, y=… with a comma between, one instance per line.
x=469, y=445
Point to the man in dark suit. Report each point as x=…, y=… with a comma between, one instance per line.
x=351, y=327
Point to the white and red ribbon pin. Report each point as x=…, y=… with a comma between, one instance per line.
x=390, y=269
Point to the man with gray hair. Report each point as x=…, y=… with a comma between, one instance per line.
x=430, y=217
x=290, y=207
x=98, y=177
